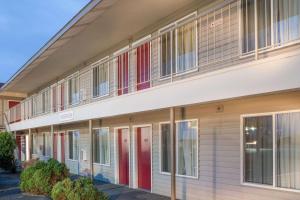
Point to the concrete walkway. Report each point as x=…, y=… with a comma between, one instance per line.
x=117, y=192
x=9, y=190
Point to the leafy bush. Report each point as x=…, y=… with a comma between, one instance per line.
x=8, y=145
x=29, y=163
x=81, y=188
x=42, y=176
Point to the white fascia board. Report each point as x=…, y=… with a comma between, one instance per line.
x=259, y=77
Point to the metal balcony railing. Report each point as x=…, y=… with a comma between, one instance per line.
x=193, y=45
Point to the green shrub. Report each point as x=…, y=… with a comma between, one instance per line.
x=8, y=145
x=82, y=188
x=41, y=177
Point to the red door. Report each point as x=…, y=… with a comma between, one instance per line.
x=144, y=157
x=123, y=142
x=55, y=146
x=62, y=137
x=123, y=73
x=143, y=66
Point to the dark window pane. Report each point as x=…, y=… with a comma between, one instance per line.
x=165, y=148
x=71, y=145
x=258, y=150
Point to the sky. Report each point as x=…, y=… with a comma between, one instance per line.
x=26, y=25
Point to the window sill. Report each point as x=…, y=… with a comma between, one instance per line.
x=72, y=160
x=269, y=187
x=100, y=97
x=178, y=175
x=194, y=69
x=104, y=165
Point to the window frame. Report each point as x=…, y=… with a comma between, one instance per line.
x=109, y=151
x=46, y=140
x=272, y=46
x=97, y=65
x=197, y=152
x=74, y=76
x=273, y=186
x=174, y=27
x=68, y=133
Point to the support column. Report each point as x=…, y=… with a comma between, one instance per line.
x=91, y=148
x=256, y=29
x=51, y=139
x=29, y=144
x=173, y=153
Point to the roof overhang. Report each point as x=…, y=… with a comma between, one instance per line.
x=99, y=26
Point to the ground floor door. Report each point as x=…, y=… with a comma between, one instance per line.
x=62, y=147
x=144, y=157
x=123, y=150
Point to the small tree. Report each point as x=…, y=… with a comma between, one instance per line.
x=7, y=147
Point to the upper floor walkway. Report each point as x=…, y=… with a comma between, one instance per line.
x=227, y=50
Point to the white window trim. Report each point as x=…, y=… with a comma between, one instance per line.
x=166, y=29
x=94, y=65
x=273, y=186
x=68, y=132
x=109, y=160
x=197, y=153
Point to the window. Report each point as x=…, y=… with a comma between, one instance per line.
x=260, y=154
x=46, y=148
x=263, y=23
x=288, y=150
x=73, y=89
x=46, y=101
x=258, y=150
x=187, y=140
x=101, y=146
x=178, y=48
x=100, y=79
x=187, y=148
x=186, y=47
x=73, y=144
x=165, y=146
x=167, y=53
x=286, y=20
x=35, y=147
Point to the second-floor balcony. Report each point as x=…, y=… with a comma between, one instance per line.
x=229, y=34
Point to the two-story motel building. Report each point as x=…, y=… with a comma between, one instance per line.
x=107, y=92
